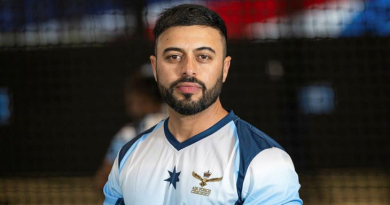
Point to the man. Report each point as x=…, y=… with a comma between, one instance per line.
x=201, y=154
x=145, y=108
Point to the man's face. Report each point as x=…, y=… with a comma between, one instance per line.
x=190, y=67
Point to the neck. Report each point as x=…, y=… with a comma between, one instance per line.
x=184, y=127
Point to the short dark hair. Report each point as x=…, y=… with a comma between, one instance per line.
x=189, y=15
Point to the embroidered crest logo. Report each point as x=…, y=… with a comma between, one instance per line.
x=205, y=178
x=203, y=182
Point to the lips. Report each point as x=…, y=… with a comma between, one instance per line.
x=188, y=87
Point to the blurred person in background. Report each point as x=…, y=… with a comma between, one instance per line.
x=145, y=108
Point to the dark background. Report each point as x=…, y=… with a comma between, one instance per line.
x=67, y=102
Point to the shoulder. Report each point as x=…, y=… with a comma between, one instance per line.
x=125, y=134
x=127, y=147
x=271, y=179
x=266, y=171
x=252, y=138
x=251, y=142
x=271, y=161
x=262, y=160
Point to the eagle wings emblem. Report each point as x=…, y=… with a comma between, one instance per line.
x=205, y=179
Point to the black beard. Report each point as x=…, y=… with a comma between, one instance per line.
x=187, y=106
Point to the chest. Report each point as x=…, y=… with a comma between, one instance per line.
x=205, y=173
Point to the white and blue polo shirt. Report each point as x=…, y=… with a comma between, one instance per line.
x=232, y=162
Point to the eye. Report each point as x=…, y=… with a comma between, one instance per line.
x=204, y=57
x=173, y=57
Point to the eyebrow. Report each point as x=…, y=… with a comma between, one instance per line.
x=182, y=51
x=205, y=48
x=173, y=49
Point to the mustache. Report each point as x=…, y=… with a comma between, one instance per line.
x=188, y=80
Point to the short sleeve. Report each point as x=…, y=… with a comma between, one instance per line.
x=112, y=190
x=271, y=180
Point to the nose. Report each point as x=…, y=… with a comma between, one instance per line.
x=189, y=67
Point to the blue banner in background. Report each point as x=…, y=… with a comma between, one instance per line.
x=5, y=106
x=17, y=15
x=373, y=20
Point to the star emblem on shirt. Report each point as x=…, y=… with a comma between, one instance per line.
x=173, y=177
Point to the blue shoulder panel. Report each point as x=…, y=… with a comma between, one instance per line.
x=251, y=142
x=128, y=145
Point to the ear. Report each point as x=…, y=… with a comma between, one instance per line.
x=153, y=62
x=226, y=66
